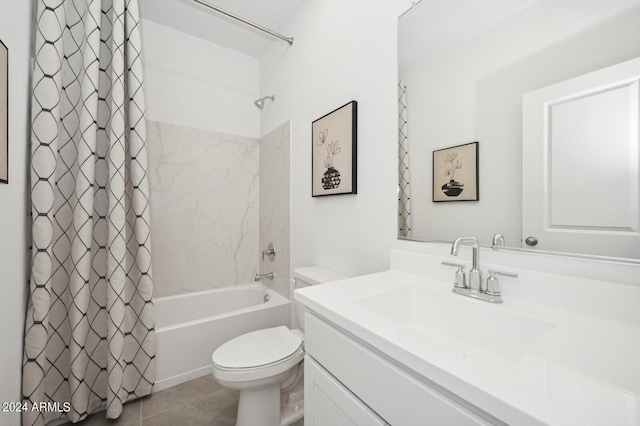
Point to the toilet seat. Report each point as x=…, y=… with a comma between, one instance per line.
x=238, y=360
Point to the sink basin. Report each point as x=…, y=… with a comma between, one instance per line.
x=458, y=322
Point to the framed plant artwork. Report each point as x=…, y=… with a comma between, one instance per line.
x=4, y=113
x=455, y=173
x=333, y=152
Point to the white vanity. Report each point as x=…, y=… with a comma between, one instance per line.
x=400, y=348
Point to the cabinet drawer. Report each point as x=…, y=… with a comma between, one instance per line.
x=398, y=397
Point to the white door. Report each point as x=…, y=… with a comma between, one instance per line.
x=328, y=402
x=580, y=156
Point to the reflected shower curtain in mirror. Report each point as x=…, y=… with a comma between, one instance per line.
x=89, y=334
x=404, y=189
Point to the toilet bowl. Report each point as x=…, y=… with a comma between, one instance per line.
x=266, y=365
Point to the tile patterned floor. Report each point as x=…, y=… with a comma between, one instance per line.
x=199, y=402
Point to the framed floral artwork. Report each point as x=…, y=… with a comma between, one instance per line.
x=333, y=152
x=455, y=173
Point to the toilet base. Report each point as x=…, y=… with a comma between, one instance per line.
x=259, y=407
x=263, y=407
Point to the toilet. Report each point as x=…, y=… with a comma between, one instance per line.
x=265, y=365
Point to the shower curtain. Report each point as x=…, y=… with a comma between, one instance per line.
x=89, y=334
x=404, y=189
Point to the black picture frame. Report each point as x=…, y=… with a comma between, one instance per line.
x=334, y=143
x=4, y=113
x=456, y=173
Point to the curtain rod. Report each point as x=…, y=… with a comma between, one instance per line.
x=241, y=19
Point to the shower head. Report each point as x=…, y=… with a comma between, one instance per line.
x=260, y=102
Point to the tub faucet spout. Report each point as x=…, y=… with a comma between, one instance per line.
x=260, y=277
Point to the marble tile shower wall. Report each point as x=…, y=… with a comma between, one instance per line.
x=275, y=205
x=204, y=208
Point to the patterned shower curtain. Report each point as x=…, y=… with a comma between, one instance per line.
x=404, y=189
x=89, y=335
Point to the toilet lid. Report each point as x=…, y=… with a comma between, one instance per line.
x=257, y=348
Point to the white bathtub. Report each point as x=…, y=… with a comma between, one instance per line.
x=190, y=327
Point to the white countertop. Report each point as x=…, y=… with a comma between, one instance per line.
x=584, y=369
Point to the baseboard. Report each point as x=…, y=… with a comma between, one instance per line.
x=181, y=378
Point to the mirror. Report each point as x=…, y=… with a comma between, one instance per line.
x=465, y=67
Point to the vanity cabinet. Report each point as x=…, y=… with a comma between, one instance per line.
x=347, y=383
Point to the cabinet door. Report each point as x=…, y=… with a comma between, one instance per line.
x=328, y=402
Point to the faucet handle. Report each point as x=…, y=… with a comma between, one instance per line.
x=493, y=284
x=460, y=281
x=270, y=252
x=497, y=241
x=493, y=273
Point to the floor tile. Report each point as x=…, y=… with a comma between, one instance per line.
x=199, y=402
x=201, y=412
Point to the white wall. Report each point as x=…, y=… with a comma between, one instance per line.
x=342, y=51
x=194, y=83
x=15, y=32
x=497, y=68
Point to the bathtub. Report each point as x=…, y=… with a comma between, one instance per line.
x=190, y=327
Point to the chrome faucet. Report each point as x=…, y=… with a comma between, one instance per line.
x=476, y=287
x=475, y=275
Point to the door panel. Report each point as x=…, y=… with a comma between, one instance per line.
x=580, y=164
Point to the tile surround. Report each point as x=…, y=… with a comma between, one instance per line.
x=204, y=208
x=217, y=200
x=275, y=205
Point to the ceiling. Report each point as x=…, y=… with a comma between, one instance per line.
x=435, y=26
x=192, y=18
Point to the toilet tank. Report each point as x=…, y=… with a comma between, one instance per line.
x=311, y=275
